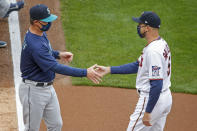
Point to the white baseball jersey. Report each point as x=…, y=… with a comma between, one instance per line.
x=154, y=64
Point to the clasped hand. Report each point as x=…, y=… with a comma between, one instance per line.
x=96, y=72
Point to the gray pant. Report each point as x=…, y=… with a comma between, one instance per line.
x=38, y=103
x=4, y=6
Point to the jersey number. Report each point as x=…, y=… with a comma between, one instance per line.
x=166, y=54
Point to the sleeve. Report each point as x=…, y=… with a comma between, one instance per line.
x=43, y=58
x=130, y=68
x=155, y=66
x=56, y=54
x=155, y=90
x=70, y=71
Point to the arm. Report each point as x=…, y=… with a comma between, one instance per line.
x=123, y=69
x=130, y=68
x=77, y=72
x=155, y=90
x=156, y=78
x=47, y=62
x=70, y=71
x=56, y=54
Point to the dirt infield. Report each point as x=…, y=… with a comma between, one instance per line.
x=6, y=59
x=83, y=108
x=108, y=109
x=8, y=120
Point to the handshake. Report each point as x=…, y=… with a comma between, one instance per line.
x=96, y=72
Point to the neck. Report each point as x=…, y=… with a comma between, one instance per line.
x=152, y=36
x=35, y=30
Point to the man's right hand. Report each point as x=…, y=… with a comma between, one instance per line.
x=93, y=75
x=103, y=70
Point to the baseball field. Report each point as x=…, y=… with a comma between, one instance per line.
x=102, y=32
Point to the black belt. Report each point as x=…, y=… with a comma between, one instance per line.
x=41, y=83
x=140, y=91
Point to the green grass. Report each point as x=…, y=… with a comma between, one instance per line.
x=102, y=32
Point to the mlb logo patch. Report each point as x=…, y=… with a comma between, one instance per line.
x=155, y=70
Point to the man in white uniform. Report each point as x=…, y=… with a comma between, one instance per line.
x=153, y=70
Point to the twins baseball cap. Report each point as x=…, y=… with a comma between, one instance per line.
x=41, y=12
x=149, y=18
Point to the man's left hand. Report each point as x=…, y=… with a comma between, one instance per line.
x=66, y=56
x=146, y=119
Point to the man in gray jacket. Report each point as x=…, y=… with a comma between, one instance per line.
x=5, y=9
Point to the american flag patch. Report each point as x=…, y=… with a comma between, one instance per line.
x=155, y=70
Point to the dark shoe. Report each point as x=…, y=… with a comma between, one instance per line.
x=15, y=7
x=3, y=44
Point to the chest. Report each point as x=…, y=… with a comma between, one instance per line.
x=47, y=44
x=142, y=59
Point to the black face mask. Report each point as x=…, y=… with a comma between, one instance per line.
x=139, y=33
x=45, y=27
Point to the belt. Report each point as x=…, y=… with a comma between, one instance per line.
x=139, y=91
x=38, y=83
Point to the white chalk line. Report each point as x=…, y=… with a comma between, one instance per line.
x=15, y=39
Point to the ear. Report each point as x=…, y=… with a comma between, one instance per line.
x=36, y=22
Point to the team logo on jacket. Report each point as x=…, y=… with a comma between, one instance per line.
x=155, y=70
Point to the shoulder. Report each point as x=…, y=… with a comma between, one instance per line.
x=33, y=41
x=157, y=46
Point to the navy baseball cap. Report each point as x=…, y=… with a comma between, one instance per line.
x=41, y=12
x=149, y=18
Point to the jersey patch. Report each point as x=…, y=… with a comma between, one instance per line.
x=155, y=70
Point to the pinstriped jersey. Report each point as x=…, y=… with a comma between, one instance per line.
x=154, y=64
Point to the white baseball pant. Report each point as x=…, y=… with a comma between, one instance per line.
x=158, y=115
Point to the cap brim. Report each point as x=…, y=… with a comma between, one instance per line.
x=136, y=19
x=50, y=18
